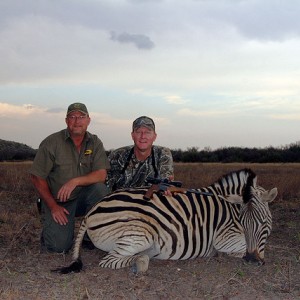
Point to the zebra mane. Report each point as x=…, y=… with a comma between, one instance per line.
x=249, y=184
x=242, y=179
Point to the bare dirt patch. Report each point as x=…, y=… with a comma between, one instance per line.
x=25, y=272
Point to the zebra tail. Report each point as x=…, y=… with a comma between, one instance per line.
x=76, y=265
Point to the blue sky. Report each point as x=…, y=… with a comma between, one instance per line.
x=211, y=73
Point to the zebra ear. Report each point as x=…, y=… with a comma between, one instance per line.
x=255, y=181
x=232, y=198
x=269, y=196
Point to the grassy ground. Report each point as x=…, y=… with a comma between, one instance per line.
x=24, y=271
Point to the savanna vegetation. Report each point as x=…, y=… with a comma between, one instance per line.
x=285, y=154
x=25, y=272
x=12, y=151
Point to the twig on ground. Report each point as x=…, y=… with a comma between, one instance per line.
x=18, y=234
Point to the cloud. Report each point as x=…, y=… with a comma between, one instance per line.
x=30, y=124
x=203, y=113
x=7, y=109
x=144, y=1
x=139, y=40
x=105, y=119
x=173, y=99
x=37, y=48
x=288, y=117
x=269, y=20
x=55, y=110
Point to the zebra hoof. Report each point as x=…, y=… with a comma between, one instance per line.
x=140, y=265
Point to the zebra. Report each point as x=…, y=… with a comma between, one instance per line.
x=231, y=216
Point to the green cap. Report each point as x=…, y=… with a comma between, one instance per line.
x=143, y=121
x=77, y=107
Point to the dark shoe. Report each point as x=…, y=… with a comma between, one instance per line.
x=88, y=245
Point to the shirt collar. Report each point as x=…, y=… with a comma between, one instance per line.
x=86, y=138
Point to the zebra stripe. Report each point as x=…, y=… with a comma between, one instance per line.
x=235, y=219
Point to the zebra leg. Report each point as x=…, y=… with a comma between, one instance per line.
x=233, y=244
x=237, y=254
x=134, y=252
x=139, y=263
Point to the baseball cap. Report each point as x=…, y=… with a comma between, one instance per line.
x=77, y=107
x=143, y=121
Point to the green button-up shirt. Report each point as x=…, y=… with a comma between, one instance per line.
x=58, y=160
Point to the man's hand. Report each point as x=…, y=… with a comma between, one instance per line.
x=65, y=191
x=167, y=192
x=59, y=214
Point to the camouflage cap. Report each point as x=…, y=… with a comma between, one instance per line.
x=143, y=121
x=77, y=107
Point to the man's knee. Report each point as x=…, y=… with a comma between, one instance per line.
x=96, y=192
x=89, y=196
x=57, y=238
x=100, y=189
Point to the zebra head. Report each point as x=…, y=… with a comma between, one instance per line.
x=255, y=217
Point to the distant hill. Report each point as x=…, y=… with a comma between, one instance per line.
x=11, y=151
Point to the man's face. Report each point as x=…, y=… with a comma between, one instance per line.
x=143, y=138
x=77, y=123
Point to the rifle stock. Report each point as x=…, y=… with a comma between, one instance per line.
x=157, y=188
x=150, y=191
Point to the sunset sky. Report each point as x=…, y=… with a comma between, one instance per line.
x=211, y=73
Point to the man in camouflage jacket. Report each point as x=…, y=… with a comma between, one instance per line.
x=131, y=165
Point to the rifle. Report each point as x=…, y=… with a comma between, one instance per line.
x=162, y=185
x=164, y=181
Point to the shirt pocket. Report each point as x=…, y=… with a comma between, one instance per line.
x=65, y=165
x=86, y=164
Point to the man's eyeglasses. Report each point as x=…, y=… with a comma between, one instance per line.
x=146, y=133
x=75, y=118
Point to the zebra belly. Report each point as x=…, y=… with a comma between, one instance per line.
x=127, y=237
x=132, y=235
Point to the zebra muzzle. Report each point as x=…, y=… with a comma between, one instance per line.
x=253, y=258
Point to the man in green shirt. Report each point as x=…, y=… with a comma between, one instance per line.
x=131, y=165
x=69, y=171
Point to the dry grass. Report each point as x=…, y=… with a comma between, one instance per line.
x=286, y=177
x=24, y=272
